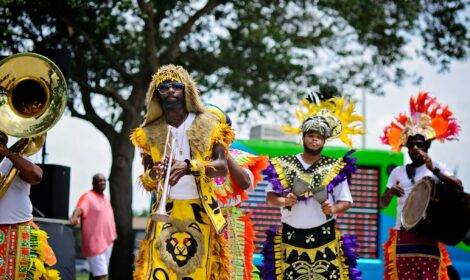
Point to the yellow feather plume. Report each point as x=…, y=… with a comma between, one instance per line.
x=341, y=109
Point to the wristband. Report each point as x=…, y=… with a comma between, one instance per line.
x=194, y=167
x=436, y=171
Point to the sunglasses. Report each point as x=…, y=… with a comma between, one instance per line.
x=163, y=88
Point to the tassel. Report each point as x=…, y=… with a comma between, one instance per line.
x=444, y=262
x=41, y=257
x=142, y=261
x=349, y=244
x=272, y=266
x=220, y=259
x=249, y=237
x=235, y=231
x=390, y=257
x=222, y=134
x=148, y=183
x=139, y=139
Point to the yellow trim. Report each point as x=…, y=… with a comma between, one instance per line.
x=280, y=172
x=221, y=134
x=338, y=110
x=155, y=154
x=169, y=75
x=139, y=139
x=147, y=181
x=334, y=171
x=312, y=252
x=278, y=255
x=198, y=165
x=335, y=246
x=390, y=255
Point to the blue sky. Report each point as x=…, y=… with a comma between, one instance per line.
x=76, y=143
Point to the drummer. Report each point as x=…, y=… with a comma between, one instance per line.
x=410, y=255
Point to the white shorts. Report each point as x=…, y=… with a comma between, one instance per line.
x=99, y=263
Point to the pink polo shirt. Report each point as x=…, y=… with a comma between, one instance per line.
x=97, y=223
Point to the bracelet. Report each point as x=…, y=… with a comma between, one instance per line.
x=436, y=171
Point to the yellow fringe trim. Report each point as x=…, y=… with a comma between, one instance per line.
x=221, y=134
x=147, y=181
x=444, y=262
x=142, y=261
x=42, y=257
x=220, y=259
x=343, y=262
x=390, y=256
x=280, y=173
x=42, y=248
x=278, y=256
x=334, y=171
x=139, y=139
x=38, y=271
x=199, y=165
x=223, y=191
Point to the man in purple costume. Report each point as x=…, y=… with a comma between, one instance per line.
x=311, y=190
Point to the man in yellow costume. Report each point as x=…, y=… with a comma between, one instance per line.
x=189, y=244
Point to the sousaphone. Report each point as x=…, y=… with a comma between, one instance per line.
x=33, y=96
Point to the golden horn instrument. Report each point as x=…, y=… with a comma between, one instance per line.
x=33, y=96
x=160, y=214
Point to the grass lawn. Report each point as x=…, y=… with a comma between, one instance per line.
x=82, y=276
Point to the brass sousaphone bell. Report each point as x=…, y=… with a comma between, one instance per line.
x=33, y=96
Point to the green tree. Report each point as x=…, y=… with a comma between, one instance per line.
x=259, y=53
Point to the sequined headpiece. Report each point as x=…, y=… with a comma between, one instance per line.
x=427, y=118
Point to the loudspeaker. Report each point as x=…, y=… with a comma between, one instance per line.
x=50, y=198
x=62, y=241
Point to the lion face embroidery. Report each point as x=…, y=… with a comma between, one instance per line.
x=182, y=247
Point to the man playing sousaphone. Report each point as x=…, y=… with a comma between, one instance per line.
x=33, y=98
x=24, y=251
x=411, y=255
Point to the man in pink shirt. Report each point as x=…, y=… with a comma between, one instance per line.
x=95, y=215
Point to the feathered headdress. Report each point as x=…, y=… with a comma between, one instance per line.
x=427, y=117
x=333, y=117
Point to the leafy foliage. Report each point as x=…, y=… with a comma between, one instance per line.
x=259, y=53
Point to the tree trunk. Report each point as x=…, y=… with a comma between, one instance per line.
x=121, y=199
